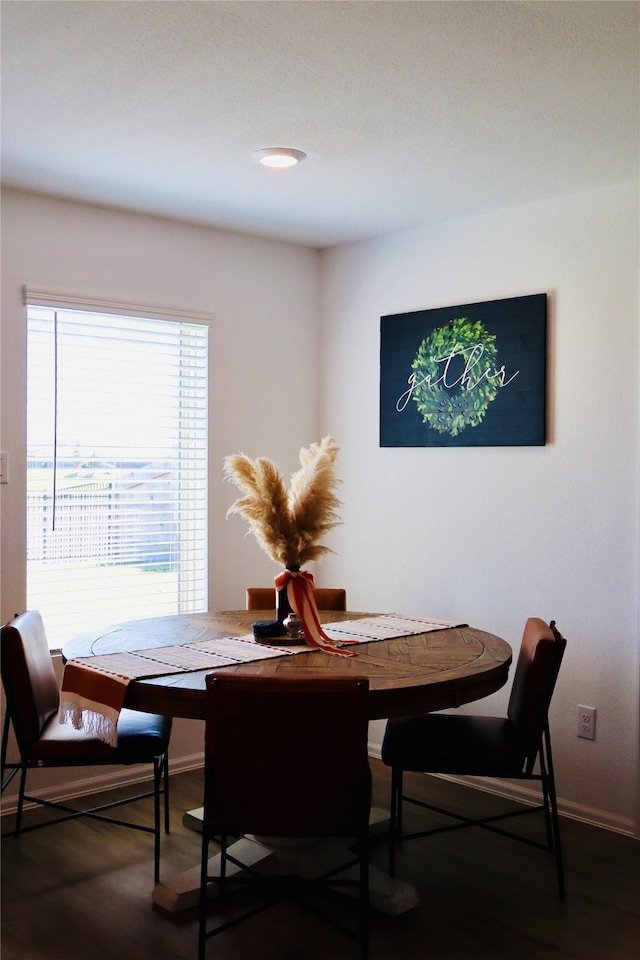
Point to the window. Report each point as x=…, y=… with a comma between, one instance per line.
x=116, y=468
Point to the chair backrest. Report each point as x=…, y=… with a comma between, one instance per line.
x=28, y=677
x=539, y=660
x=286, y=756
x=327, y=598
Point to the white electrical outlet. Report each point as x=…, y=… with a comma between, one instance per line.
x=587, y=722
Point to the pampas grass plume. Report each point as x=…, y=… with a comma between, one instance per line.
x=288, y=524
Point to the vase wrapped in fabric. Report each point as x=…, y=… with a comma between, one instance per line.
x=283, y=604
x=288, y=525
x=298, y=586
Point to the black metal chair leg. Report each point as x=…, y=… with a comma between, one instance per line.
x=21, y=791
x=157, y=779
x=5, y=743
x=202, y=908
x=395, y=817
x=555, y=820
x=364, y=897
x=166, y=792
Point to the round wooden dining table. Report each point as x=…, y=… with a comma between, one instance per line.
x=407, y=675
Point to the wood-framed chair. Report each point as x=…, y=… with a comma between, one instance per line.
x=292, y=763
x=517, y=746
x=33, y=702
x=327, y=598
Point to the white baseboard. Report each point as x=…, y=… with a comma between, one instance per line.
x=119, y=777
x=512, y=790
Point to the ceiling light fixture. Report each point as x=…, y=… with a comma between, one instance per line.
x=279, y=156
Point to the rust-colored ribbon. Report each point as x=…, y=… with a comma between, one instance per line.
x=299, y=587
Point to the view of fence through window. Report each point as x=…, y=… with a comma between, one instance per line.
x=116, y=468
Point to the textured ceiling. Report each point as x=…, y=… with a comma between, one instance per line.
x=409, y=112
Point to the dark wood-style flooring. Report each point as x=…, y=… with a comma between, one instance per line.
x=82, y=891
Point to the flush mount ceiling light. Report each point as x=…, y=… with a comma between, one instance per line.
x=279, y=156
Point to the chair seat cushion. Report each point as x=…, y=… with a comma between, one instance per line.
x=141, y=737
x=451, y=743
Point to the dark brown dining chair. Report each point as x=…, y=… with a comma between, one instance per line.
x=33, y=701
x=327, y=598
x=517, y=746
x=292, y=762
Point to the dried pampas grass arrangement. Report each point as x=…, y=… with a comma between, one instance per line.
x=288, y=524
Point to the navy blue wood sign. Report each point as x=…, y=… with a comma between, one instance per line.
x=465, y=376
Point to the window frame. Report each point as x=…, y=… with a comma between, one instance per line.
x=35, y=297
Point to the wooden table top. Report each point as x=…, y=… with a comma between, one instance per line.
x=407, y=675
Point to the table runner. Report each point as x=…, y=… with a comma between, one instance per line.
x=94, y=688
x=385, y=626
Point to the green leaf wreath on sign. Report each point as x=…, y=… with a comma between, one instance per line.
x=442, y=408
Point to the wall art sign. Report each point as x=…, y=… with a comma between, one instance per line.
x=465, y=376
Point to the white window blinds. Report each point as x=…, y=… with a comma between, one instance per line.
x=116, y=468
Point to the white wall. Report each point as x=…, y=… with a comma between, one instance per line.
x=494, y=535
x=490, y=536
x=263, y=343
